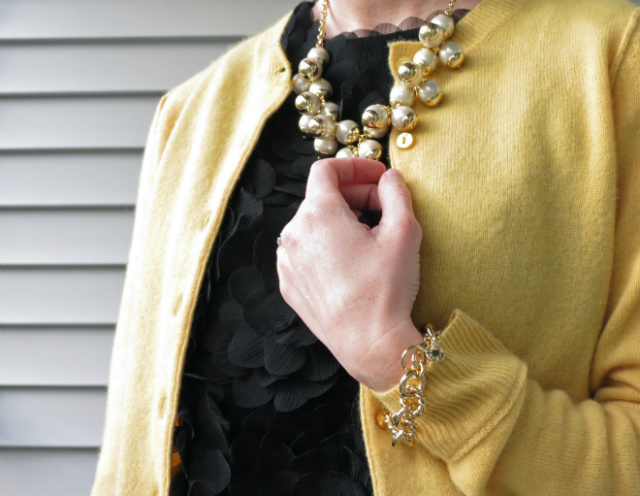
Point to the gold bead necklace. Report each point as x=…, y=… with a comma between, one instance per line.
x=320, y=116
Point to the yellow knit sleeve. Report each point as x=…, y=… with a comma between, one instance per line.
x=495, y=429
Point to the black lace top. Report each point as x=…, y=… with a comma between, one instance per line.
x=264, y=406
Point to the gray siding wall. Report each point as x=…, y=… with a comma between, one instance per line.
x=79, y=81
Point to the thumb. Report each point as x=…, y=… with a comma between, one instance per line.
x=395, y=201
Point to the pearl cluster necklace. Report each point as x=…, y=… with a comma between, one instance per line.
x=320, y=117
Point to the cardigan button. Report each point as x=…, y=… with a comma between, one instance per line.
x=380, y=419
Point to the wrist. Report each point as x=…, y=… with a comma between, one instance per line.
x=382, y=369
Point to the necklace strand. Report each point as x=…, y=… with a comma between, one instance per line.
x=320, y=117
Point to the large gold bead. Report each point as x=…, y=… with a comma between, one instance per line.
x=308, y=103
x=321, y=126
x=310, y=68
x=332, y=110
x=427, y=59
x=446, y=23
x=320, y=54
x=431, y=35
x=376, y=133
x=376, y=116
x=401, y=95
x=322, y=88
x=370, y=149
x=303, y=123
x=451, y=54
x=429, y=92
x=347, y=152
x=300, y=84
x=410, y=74
x=404, y=118
x=347, y=132
x=325, y=147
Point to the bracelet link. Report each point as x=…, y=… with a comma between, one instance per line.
x=402, y=423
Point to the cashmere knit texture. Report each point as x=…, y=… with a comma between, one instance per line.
x=526, y=182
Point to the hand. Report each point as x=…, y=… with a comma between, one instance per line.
x=353, y=286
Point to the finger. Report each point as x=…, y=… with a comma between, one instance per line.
x=361, y=196
x=327, y=175
x=395, y=199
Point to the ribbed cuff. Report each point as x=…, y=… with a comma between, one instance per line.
x=475, y=390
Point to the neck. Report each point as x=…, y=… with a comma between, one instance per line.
x=349, y=15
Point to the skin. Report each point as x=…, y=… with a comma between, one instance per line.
x=354, y=286
x=349, y=15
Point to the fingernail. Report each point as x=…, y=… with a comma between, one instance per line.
x=393, y=174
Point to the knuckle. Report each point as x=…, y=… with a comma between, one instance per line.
x=409, y=226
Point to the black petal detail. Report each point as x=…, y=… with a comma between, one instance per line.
x=287, y=401
x=327, y=484
x=298, y=335
x=282, y=359
x=248, y=392
x=246, y=348
x=320, y=364
x=275, y=312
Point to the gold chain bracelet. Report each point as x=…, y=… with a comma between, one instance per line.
x=402, y=424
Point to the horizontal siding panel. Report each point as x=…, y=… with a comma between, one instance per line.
x=103, y=67
x=75, y=122
x=46, y=472
x=55, y=356
x=55, y=236
x=24, y=19
x=67, y=179
x=60, y=417
x=37, y=295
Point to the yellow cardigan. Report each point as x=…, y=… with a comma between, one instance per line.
x=526, y=182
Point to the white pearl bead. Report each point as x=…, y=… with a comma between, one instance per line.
x=310, y=69
x=325, y=146
x=322, y=126
x=332, y=110
x=403, y=118
x=322, y=88
x=410, y=74
x=320, y=54
x=376, y=116
x=431, y=35
x=300, y=84
x=427, y=59
x=446, y=23
x=371, y=132
x=429, y=92
x=346, y=152
x=308, y=103
x=347, y=132
x=303, y=123
x=401, y=95
x=370, y=149
x=451, y=54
